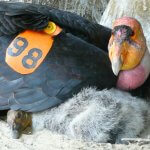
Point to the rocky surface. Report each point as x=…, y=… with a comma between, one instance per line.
x=91, y=9
x=45, y=140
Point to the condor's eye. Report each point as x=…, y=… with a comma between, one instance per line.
x=132, y=33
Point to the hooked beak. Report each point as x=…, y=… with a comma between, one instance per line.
x=116, y=65
x=15, y=131
x=115, y=57
x=15, y=134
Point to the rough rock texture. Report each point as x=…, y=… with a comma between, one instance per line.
x=91, y=9
x=45, y=140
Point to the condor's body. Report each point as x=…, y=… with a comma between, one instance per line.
x=71, y=64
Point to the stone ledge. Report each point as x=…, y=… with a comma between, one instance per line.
x=46, y=140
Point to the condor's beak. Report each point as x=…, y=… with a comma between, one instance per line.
x=116, y=65
x=115, y=57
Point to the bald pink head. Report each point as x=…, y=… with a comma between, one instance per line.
x=127, y=44
x=128, y=21
x=128, y=53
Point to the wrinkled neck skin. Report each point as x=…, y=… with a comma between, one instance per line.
x=134, y=78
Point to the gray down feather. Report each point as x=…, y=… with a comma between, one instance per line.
x=100, y=116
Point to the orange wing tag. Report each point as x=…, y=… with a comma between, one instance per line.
x=28, y=50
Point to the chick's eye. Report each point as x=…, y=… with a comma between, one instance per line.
x=112, y=32
x=19, y=115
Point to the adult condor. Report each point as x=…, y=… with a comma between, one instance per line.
x=47, y=55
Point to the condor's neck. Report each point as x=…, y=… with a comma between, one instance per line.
x=134, y=78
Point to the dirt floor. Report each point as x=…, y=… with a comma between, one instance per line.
x=45, y=140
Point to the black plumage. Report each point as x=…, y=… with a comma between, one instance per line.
x=77, y=59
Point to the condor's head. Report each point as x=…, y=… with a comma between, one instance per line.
x=127, y=44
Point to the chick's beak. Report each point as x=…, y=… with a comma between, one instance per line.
x=115, y=57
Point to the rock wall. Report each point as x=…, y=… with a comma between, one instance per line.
x=46, y=140
x=91, y=9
